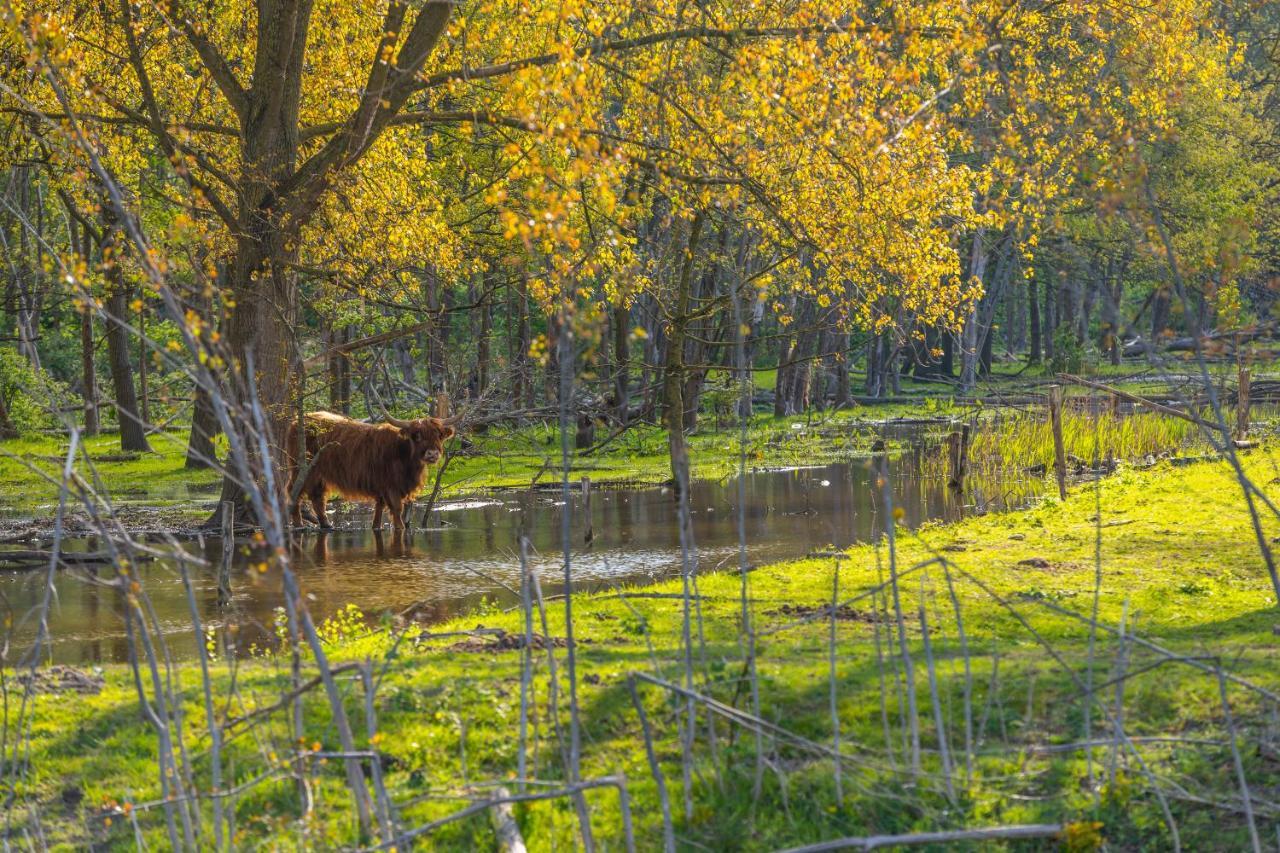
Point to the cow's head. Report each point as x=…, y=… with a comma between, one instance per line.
x=425, y=437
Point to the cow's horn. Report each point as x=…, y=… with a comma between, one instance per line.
x=396, y=422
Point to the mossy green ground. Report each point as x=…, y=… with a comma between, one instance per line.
x=1179, y=565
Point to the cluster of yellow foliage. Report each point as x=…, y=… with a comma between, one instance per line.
x=858, y=140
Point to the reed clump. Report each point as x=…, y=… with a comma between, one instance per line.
x=1024, y=440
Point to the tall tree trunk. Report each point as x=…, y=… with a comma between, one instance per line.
x=875, y=375
x=144, y=393
x=132, y=434
x=970, y=336
x=80, y=247
x=88, y=373
x=524, y=340
x=1050, y=320
x=843, y=396
x=674, y=367
x=438, y=335
x=484, y=346
x=551, y=375
x=985, y=354
x=782, y=377
x=621, y=362
x=891, y=364
x=1033, y=320
x=802, y=354
x=1160, y=315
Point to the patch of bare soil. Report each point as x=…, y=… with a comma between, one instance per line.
x=844, y=613
x=1043, y=565
x=182, y=522
x=60, y=678
x=502, y=641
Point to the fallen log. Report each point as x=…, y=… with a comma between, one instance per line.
x=990, y=833
x=69, y=557
x=1140, y=401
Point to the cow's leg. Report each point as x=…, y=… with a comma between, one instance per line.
x=377, y=514
x=396, y=505
x=317, y=495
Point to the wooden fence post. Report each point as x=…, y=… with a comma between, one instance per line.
x=1059, y=452
x=590, y=534
x=1242, y=404
x=958, y=457
x=228, y=552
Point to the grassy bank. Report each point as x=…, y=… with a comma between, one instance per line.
x=1176, y=562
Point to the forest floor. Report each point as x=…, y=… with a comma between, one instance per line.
x=1170, y=551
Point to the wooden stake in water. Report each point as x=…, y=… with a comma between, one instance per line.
x=958, y=453
x=1059, y=451
x=589, y=535
x=228, y=552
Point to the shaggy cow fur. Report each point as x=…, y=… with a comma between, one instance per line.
x=384, y=463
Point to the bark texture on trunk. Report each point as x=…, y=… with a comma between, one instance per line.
x=1033, y=321
x=970, y=338
x=673, y=378
x=133, y=436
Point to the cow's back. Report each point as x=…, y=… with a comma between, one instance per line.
x=356, y=459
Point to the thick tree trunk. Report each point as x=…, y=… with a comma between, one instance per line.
x=204, y=426
x=261, y=328
x=802, y=355
x=1161, y=307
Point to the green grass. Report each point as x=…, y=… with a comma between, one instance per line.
x=1026, y=439
x=500, y=458
x=30, y=468
x=1178, y=557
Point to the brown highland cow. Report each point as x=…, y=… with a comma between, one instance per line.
x=384, y=463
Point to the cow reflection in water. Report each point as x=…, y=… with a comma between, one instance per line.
x=399, y=545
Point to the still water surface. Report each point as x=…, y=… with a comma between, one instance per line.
x=469, y=552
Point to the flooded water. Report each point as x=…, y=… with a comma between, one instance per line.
x=469, y=553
